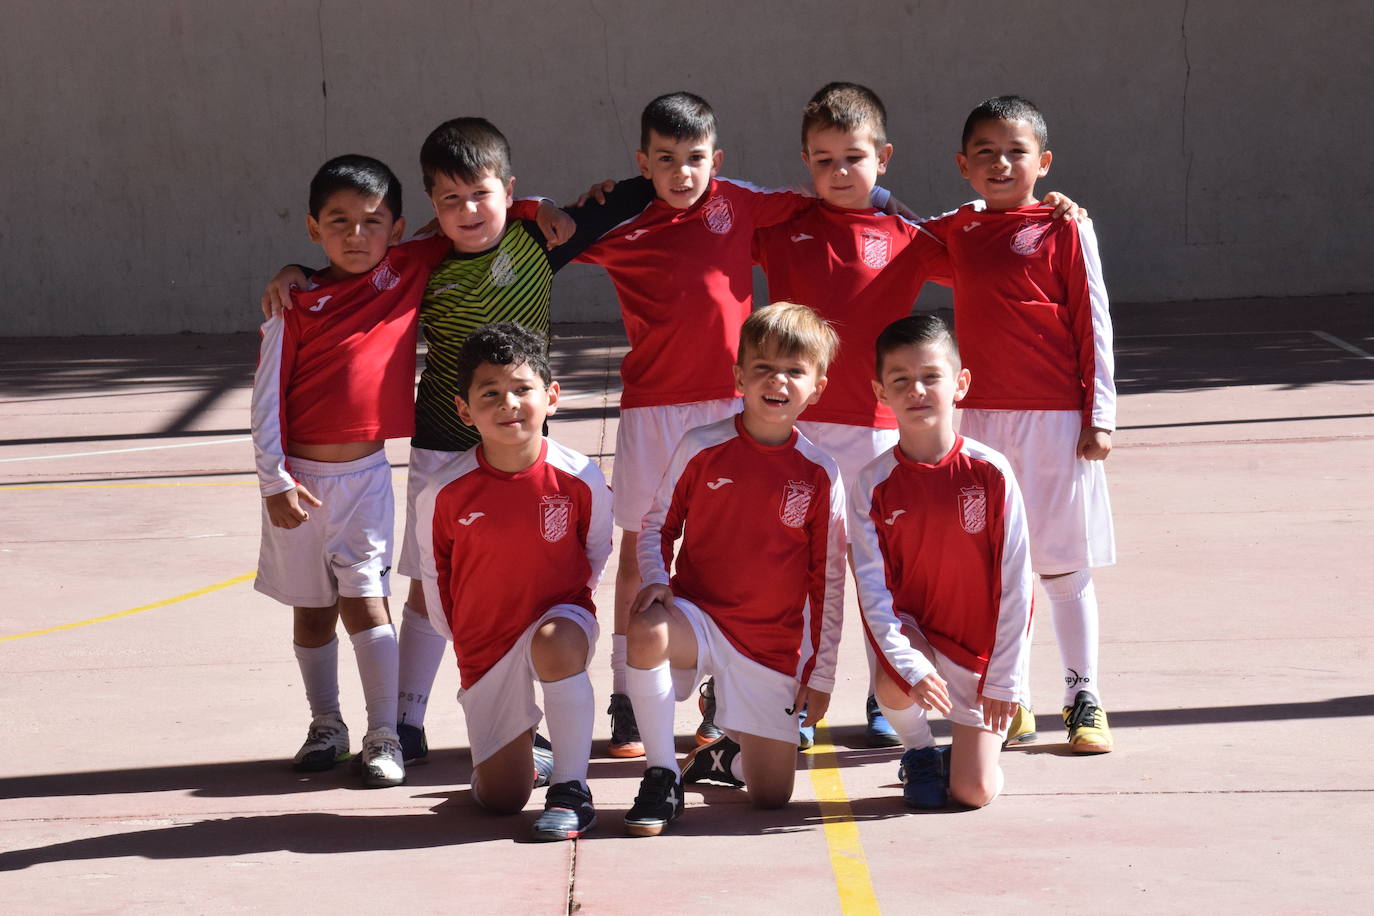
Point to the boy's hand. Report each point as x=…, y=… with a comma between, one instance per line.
x=284, y=509
x=597, y=192
x=557, y=226
x=428, y=229
x=1094, y=444
x=931, y=693
x=814, y=701
x=277, y=297
x=648, y=595
x=997, y=713
x=1063, y=207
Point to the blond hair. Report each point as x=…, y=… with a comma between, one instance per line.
x=790, y=330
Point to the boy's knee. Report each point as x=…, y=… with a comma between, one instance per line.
x=889, y=692
x=499, y=799
x=559, y=649
x=646, y=637
x=770, y=798
x=974, y=793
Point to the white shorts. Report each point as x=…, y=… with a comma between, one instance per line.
x=961, y=682
x=750, y=697
x=1067, y=508
x=644, y=443
x=500, y=706
x=425, y=465
x=344, y=548
x=852, y=447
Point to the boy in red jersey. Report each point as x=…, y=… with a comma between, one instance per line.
x=942, y=563
x=333, y=382
x=756, y=598
x=514, y=534
x=683, y=274
x=1032, y=314
x=861, y=269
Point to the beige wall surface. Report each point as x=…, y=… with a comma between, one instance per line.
x=154, y=155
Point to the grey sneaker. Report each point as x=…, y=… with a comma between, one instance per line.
x=383, y=764
x=325, y=745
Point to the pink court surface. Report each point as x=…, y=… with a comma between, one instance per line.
x=151, y=699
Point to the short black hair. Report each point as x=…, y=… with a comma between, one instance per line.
x=677, y=116
x=1007, y=108
x=847, y=107
x=355, y=173
x=468, y=149
x=503, y=343
x=917, y=329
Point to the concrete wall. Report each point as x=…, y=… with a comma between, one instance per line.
x=154, y=155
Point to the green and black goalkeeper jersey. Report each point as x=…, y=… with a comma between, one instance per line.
x=509, y=282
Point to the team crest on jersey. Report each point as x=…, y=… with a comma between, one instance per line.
x=973, y=509
x=718, y=215
x=384, y=278
x=502, y=269
x=875, y=248
x=1029, y=236
x=555, y=516
x=796, y=500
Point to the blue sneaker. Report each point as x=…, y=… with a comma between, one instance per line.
x=879, y=733
x=806, y=734
x=924, y=775
x=568, y=813
x=543, y=760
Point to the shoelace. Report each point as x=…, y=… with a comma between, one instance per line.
x=924, y=766
x=1083, y=714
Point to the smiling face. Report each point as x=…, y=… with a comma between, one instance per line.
x=681, y=170
x=1002, y=160
x=471, y=214
x=776, y=388
x=508, y=404
x=921, y=382
x=845, y=165
x=354, y=229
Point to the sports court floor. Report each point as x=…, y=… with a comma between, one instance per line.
x=151, y=699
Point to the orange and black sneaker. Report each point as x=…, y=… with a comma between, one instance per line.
x=707, y=731
x=624, y=730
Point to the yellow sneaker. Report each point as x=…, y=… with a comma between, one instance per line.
x=1087, y=725
x=1022, y=729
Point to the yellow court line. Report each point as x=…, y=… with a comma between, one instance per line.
x=852, y=879
x=136, y=610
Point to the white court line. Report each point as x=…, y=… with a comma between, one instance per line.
x=1348, y=347
x=117, y=451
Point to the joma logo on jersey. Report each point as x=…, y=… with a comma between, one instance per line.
x=717, y=215
x=319, y=303
x=796, y=500
x=875, y=247
x=384, y=278
x=502, y=270
x=555, y=515
x=973, y=509
x=1029, y=236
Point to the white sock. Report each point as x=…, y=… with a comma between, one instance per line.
x=569, y=711
x=618, y=663
x=1073, y=604
x=320, y=674
x=911, y=725
x=421, y=652
x=651, y=692
x=377, y=656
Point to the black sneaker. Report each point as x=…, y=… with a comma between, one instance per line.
x=543, y=760
x=712, y=762
x=707, y=731
x=568, y=813
x=658, y=802
x=414, y=747
x=624, y=730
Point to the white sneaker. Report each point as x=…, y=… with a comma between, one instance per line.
x=383, y=764
x=325, y=745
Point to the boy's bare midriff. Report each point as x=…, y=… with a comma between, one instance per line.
x=335, y=452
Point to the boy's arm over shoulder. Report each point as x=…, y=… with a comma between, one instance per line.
x=1090, y=317
x=627, y=200
x=768, y=206
x=884, y=631
x=1004, y=680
